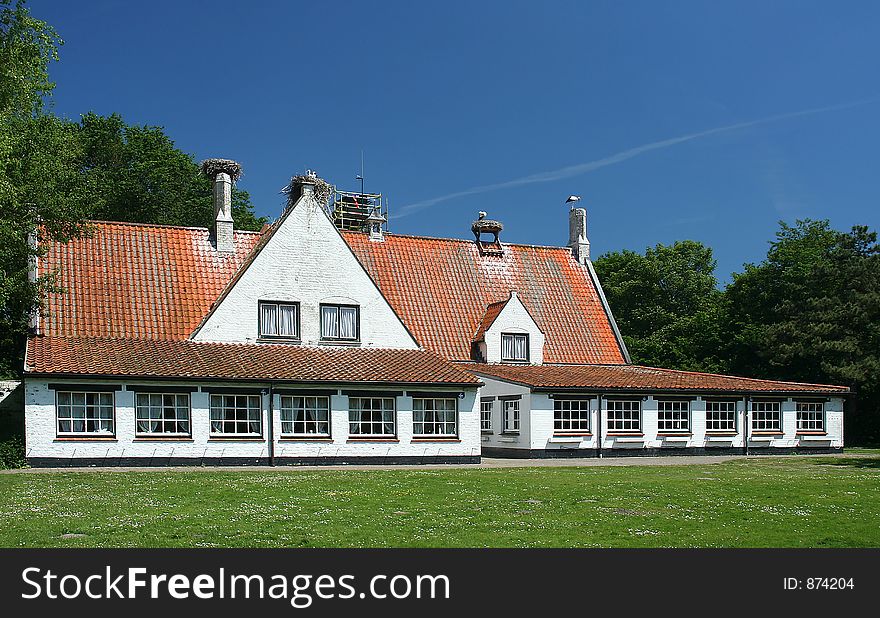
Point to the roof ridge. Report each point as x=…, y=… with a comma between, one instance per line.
x=163, y=225
x=461, y=240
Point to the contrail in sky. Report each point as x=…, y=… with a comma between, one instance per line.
x=589, y=166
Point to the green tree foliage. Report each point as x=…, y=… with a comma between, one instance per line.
x=27, y=46
x=666, y=304
x=39, y=182
x=811, y=312
x=140, y=176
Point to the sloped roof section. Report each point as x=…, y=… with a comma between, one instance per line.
x=137, y=280
x=492, y=313
x=637, y=378
x=441, y=289
x=151, y=358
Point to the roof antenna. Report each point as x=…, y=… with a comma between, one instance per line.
x=361, y=175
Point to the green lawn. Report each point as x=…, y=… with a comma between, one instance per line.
x=788, y=501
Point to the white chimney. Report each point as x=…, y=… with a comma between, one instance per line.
x=33, y=274
x=577, y=235
x=224, y=172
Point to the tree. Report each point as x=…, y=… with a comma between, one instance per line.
x=811, y=312
x=27, y=46
x=667, y=304
x=140, y=176
x=39, y=184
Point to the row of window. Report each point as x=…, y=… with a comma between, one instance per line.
x=168, y=414
x=673, y=416
x=281, y=320
x=342, y=323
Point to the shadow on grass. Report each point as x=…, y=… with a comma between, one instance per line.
x=852, y=462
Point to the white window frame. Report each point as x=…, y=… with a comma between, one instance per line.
x=724, y=416
x=429, y=422
x=95, y=408
x=337, y=321
x=515, y=336
x=810, y=416
x=572, y=416
x=621, y=412
x=278, y=322
x=673, y=416
x=151, y=408
x=220, y=402
x=377, y=416
x=510, y=417
x=318, y=406
x=766, y=416
x=486, y=409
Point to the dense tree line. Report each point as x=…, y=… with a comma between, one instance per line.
x=809, y=312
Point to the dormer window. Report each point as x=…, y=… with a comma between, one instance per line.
x=279, y=320
x=340, y=323
x=514, y=348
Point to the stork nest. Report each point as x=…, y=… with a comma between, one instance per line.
x=323, y=189
x=212, y=167
x=489, y=226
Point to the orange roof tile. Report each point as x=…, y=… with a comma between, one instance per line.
x=136, y=280
x=637, y=378
x=441, y=289
x=146, y=358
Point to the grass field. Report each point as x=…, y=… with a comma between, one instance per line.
x=772, y=502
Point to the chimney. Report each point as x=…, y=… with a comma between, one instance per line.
x=577, y=235
x=375, y=222
x=224, y=173
x=33, y=272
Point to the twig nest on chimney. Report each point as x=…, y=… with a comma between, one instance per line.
x=323, y=189
x=212, y=167
x=488, y=226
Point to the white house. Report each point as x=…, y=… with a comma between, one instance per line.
x=325, y=339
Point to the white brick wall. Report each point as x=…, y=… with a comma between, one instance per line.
x=537, y=420
x=41, y=431
x=306, y=261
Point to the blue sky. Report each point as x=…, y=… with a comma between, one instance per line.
x=449, y=96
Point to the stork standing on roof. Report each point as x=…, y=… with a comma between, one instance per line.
x=572, y=199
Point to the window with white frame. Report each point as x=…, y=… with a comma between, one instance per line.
x=162, y=413
x=624, y=415
x=810, y=415
x=511, y=416
x=340, y=323
x=721, y=416
x=766, y=416
x=514, y=347
x=673, y=416
x=279, y=320
x=371, y=416
x=486, y=415
x=84, y=413
x=236, y=415
x=435, y=416
x=571, y=416
x=305, y=415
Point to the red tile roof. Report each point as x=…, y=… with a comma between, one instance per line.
x=441, y=288
x=145, y=358
x=637, y=378
x=492, y=312
x=136, y=280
